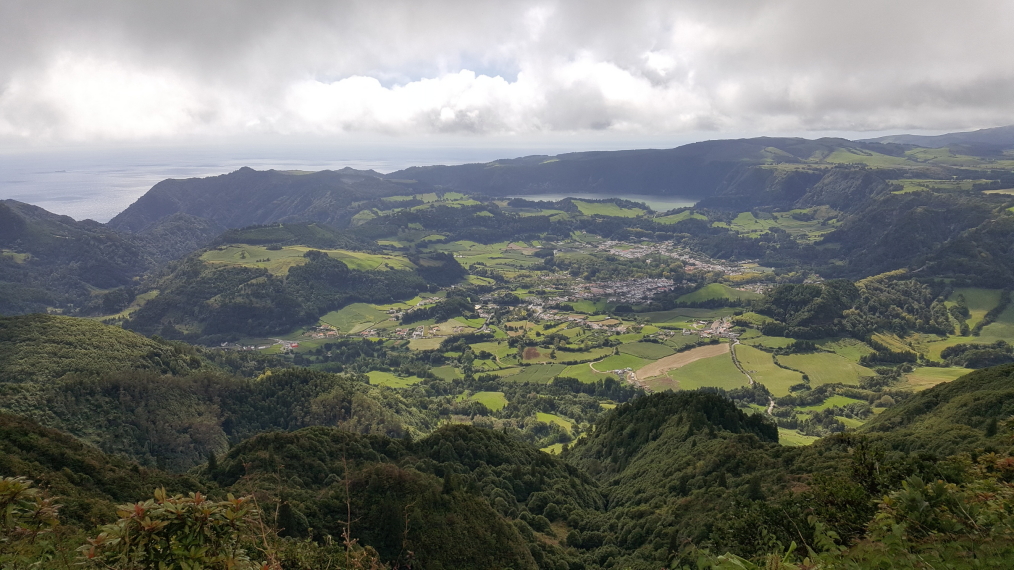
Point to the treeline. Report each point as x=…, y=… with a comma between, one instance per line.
x=202, y=302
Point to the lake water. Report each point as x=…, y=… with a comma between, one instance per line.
x=98, y=183
x=657, y=203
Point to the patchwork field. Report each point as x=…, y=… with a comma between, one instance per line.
x=681, y=359
x=356, y=318
x=827, y=368
x=648, y=350
x=762, y=367
x=716, y=371
x=538, y=374
x=278, y=262
x=922, y=378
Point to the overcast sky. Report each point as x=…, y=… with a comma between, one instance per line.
x=136, y=71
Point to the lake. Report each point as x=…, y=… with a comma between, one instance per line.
x=657, y=203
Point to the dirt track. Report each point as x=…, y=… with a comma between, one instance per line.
x=680, y=359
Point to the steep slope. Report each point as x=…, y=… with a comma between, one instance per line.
x=957, y=416
x=41, y=348
x=248, y=197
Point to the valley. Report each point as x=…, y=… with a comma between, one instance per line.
x=549, y=380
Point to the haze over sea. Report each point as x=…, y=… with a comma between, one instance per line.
x=98, y=184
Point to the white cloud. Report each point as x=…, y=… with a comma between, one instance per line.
x=137, y=71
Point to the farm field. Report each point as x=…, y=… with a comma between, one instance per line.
x=716, y=371
x=607, y=209
x=538, y=374
x=760, y=365
x=979, y=301
x=681, y=359
x=792, y=438
x=278, y=262
x=922, y=377
x=555, y=419
x=716, y=291
x=826, y=368
x=848, y=348
x=391, y=381
x=495, y=401
x=355, y=318
x=585, y=373
x=830, y=403
x=648, y=350
x=619, y=362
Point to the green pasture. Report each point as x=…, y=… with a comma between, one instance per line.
x=717, y=291
x=680, y=316
x=424, y=343
x=979, y=301
x=1001, y=329
x=848, y=348
x=357, y=317
x=446, y=372
x=607, y=209
x=827, y=368
x=555, y=419
x=619, y=362
x=278, y=262
x=647, y=350
x=537, y=374
x=392, y=381
x=717, y=372
x=676, y=218
x=923, y=377
x=760, y=365
x=792, y=438
x=831, y=402
x=584, y=373
x=495, y=401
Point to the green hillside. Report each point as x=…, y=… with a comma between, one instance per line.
x=40, y=348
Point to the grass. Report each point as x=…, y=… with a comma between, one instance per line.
x=979, y=301
x=584, y=373
x=495, y=401
x=1001, y=329
x=619, y=362
x=424, y=343
x=716, y=291
x=769, y=341
x=849, y=348
x=607, y=209
x=675, y=218
x=355, y=318
x=446, y=372
x=827, y=368
x=830, y=403
x=537, y=374
x=717, y=371
x=555, y=419
x=922, y=378
x=677, y=316
x=390, y=380
x=792, y=438
x=648, y=350
x=278, y=262
x=762, y=367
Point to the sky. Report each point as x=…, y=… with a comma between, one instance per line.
x=497, y=74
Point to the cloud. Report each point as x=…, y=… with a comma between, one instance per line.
x=112, y=70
